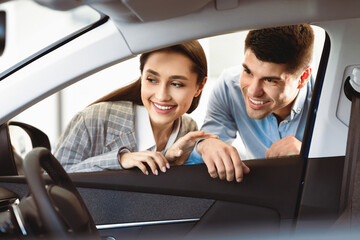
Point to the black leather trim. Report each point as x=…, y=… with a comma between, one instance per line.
x=38, y=137
x=7, y=161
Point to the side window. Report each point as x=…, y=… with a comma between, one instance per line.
x=222, y=52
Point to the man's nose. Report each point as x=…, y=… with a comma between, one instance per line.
x=255, y=88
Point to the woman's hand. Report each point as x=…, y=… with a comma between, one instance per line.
x=155, y=160
x=180, y=151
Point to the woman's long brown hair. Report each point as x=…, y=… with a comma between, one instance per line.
x=132, y=92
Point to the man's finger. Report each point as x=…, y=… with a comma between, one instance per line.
x=211, y=167
x=221, y=170
x=237, y=165
x=245, y=168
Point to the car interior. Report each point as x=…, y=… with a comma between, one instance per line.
x=280, y=196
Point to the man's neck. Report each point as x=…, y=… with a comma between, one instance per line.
x=283, y=113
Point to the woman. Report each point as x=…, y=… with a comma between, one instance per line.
x=135, y=125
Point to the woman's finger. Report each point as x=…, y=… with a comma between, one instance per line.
x=209, y=135
x=151, y=163
x=161, y=161
x=142, y=167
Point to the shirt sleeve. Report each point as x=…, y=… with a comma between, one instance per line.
x=195, y=157
x=77, y=148
x=219, y=119
x=106, y=161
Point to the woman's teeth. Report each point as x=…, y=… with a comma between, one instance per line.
x=163, y=107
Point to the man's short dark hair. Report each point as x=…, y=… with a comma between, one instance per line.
x=291, y=45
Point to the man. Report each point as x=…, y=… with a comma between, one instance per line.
x=266, y=102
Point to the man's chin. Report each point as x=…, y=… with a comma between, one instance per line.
x=257, y=115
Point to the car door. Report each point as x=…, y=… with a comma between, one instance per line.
x=186, y=201
x=277, y=196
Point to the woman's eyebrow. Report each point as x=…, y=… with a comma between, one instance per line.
x=173, y=77
x=181, y=77
x=153, y=72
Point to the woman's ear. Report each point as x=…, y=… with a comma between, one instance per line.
x=304, y=78
x=200, y=87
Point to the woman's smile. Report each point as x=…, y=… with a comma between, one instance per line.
x=163, y=108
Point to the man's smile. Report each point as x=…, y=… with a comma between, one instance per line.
x=256, y=101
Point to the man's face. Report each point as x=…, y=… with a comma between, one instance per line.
x=267, y=87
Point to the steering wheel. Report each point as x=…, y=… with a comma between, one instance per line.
x=61, y=209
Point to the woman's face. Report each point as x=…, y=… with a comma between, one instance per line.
x=168, y=86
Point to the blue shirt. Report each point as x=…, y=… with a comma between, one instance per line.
x=226, y=115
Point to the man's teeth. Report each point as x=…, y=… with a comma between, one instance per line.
x=163, y=107
x=256, y=102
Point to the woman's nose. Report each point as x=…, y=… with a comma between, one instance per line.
x=162, y=93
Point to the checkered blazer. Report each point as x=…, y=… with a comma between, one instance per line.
x=92, y=139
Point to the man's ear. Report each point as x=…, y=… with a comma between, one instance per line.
x=304, y=78
x=200, y=87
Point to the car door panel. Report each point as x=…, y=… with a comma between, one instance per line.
x=320, y=202
x=272, y=183
x=270, y=195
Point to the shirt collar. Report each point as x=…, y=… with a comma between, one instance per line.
x=143, y=131
x=173, y=135
x=298, y=105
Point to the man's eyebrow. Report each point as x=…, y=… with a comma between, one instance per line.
x=246, y=67
x=272, y=78
x=265, y=77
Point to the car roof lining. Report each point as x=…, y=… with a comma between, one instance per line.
x=174, y=21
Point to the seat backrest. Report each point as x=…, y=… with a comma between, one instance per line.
x=38, y=137
x=7, y=160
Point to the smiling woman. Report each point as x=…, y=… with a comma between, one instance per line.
x=109, y=134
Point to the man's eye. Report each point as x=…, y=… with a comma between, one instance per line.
x=270, y=80
x=177, y=84
x=247, y=71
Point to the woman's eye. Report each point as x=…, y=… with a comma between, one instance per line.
x=151, y=80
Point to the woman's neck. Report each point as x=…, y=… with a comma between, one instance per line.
x=162, y=134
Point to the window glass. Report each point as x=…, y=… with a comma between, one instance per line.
x=220, y=55
x=32, y=27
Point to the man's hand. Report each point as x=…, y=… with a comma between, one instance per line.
x=154, y=160
x=222, y=160
x=287, y=146
x=180, y=151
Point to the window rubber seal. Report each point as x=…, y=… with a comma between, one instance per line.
x=310, y=122
x=103, y=19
